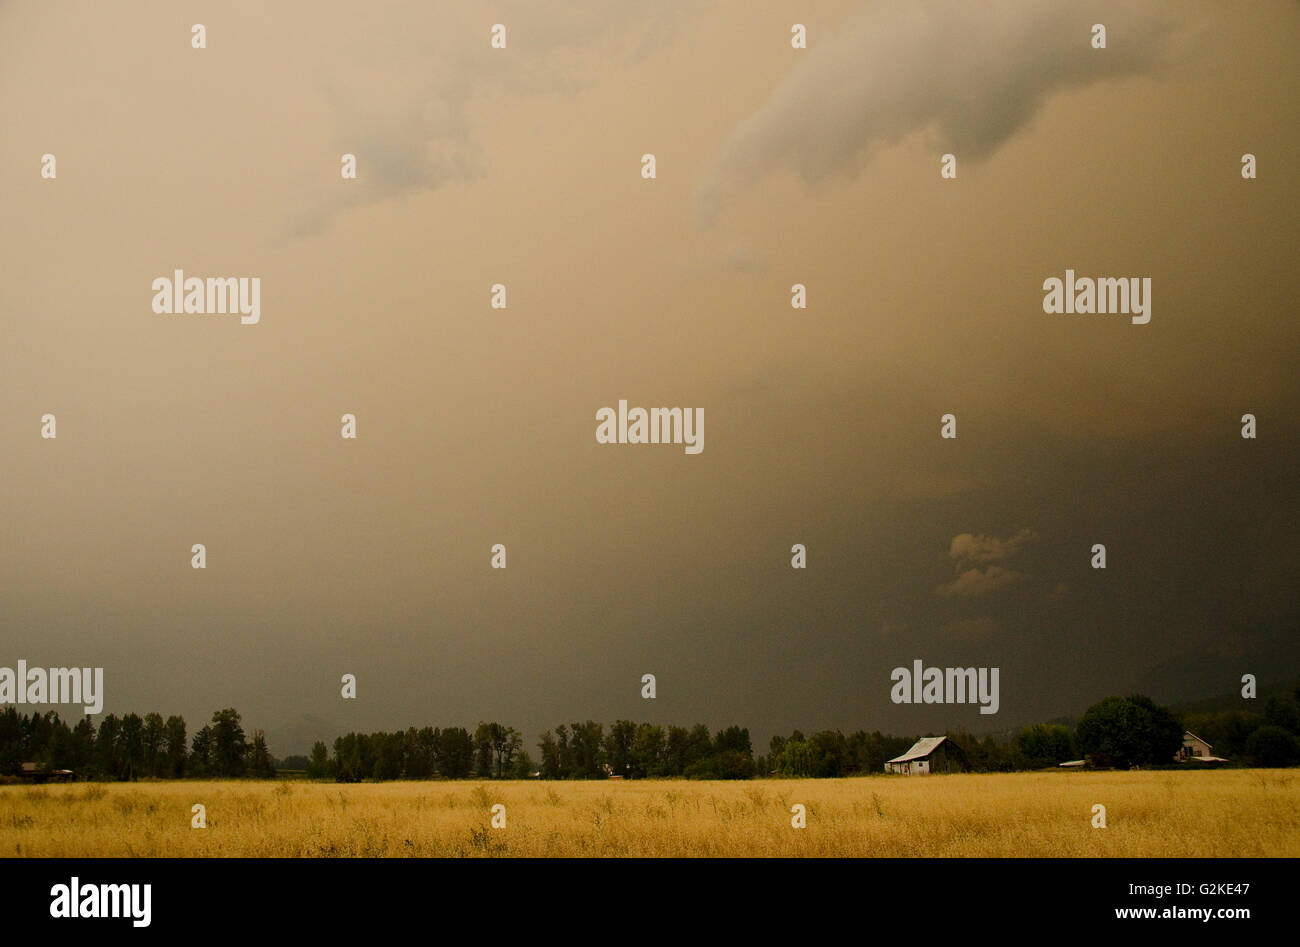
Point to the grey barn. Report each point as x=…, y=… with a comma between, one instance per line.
x=929, y=755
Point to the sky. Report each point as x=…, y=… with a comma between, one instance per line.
x=476, y=426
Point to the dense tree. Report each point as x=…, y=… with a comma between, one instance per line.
x=389, y=755
x=259, y=758
x=131, y=747
x=174, y=742
x=648, y=756
x=83, y=747
x=699, y=745
x=586, y=748
x=1128, y=731
x=1045, y=744
x=1282, y=713
x=830, y=754
x=229, y=746
x=1227, y=731
x=419, y=761
x=506, y=742
x=618, y=747
x=483, y=751
x=1273, y=746
x=733, y=738
x=200, y=751
x=675, y=750
x=523, y=766
x=318, y=764
x=551, y=752
x=154, y=732
x=796, y=759
x=107, y=748
x=455, y=753
x=430, y=739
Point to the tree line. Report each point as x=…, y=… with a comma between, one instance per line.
x=133, y=747
x=1115, y=732
x=493, y=751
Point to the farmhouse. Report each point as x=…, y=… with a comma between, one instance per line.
x=928, y=755
x=1197, y=750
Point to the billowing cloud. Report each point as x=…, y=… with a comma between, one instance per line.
x=971, y=74
x=968, y=547
x=974, y=582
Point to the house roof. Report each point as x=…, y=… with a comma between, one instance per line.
x=1188, y=733
x=920, y=749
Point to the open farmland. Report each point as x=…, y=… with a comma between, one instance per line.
x=1149, y=814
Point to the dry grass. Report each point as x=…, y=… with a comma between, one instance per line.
x=1220, y=813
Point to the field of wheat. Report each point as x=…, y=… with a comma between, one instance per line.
x=1158, y=813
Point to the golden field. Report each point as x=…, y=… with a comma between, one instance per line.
x=1153, y=813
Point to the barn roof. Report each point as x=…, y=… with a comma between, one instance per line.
x=920, y=749
x=1188, y=733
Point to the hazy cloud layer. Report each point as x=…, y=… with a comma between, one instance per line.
x=476, y=426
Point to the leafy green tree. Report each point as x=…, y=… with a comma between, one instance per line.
x=483, y=750
x=1045, y=744
x=586, y=750
x=201, y=750
x=829, y=751
x=429, y=738
x=456, y=753
x=1128, y=731
x=154, y=732
x=229, y=746
x=506, y=742
x=259, y=757
x=83, y=747
x=1226, y=730
x=699, y=746
x=775, y=747
x=107, y=750
x=174, y=746
x=419, y=762
x=676, y=749
x=347, y=757
x=728, y=764
x=552, y=752
x=1273, y=746
x=318, y=764
x=11, y=740
x=796, y=759
x=61, y=745
x=733, y=738
x=648, y=751
x=1282, y=713
x=522, y=767
x=390, y=751
x=618, y=747
x=131, y=748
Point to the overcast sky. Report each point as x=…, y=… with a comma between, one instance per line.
x=477, y=426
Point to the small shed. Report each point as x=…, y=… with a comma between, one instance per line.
x=928, y=755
